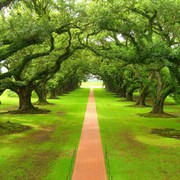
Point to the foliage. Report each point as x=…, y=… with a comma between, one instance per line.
x=131, y=42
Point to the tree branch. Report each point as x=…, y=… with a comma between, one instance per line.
x=18, y=45
x=5, y=3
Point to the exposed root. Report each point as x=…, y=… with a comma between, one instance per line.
x=42, y=103
x=30, y=111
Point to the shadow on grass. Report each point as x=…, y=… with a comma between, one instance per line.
x=32, y=111
x=138, y=106
x=152, y=115
x=167, y=132
x=43, y=104
x=12, y=128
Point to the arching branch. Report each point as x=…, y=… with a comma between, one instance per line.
x=4, y=3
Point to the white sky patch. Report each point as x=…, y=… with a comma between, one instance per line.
x=109, y=39
x=120, y=38
x=4, y=70
x=6, y=12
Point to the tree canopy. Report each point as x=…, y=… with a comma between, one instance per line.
x=130, y=45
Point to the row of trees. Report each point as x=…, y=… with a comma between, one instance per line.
x=36, y=38
x=131, y=45
x=138, y=46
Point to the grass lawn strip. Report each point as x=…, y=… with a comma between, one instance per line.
x=45, y=151
x=133, y=151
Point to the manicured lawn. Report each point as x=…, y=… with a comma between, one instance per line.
x=134, y=153
x=45, y=151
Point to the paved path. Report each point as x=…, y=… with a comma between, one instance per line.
x=89, y=164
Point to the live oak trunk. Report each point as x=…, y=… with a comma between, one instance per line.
x=144, y=91
x=25, y=104
x=130, y=92
x=142, y=97
x=162, y=92
x=53, y=94
x=41, y=92
x=129, y=96
x=121, y=92
x=158, y=106
x=59, y=91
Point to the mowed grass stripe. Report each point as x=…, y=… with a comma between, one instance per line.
x=133, y=151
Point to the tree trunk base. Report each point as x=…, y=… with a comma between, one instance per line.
x=157, y=115
x=142, y=105
x=129, y=99
x=41, y=103
x=30, y=111
x=53, y=98
x=129, y=96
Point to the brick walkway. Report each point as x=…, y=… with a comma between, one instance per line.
x=89, y=164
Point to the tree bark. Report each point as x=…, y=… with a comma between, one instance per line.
x=158, y=103
x=25, y=104
x=158, y=106
x=130, y=91
x=59, y=91
x=53, y=94
x=162, y=92
x=5, y=3
x=41, y=92
x=129, y=96
x=142, y=97
x=144, y=91
x=121, y=92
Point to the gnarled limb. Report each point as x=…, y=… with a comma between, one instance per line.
x=4, y=3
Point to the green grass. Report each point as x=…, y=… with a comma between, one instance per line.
x=12, y=128
x=45, y=151
x=134, y=153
